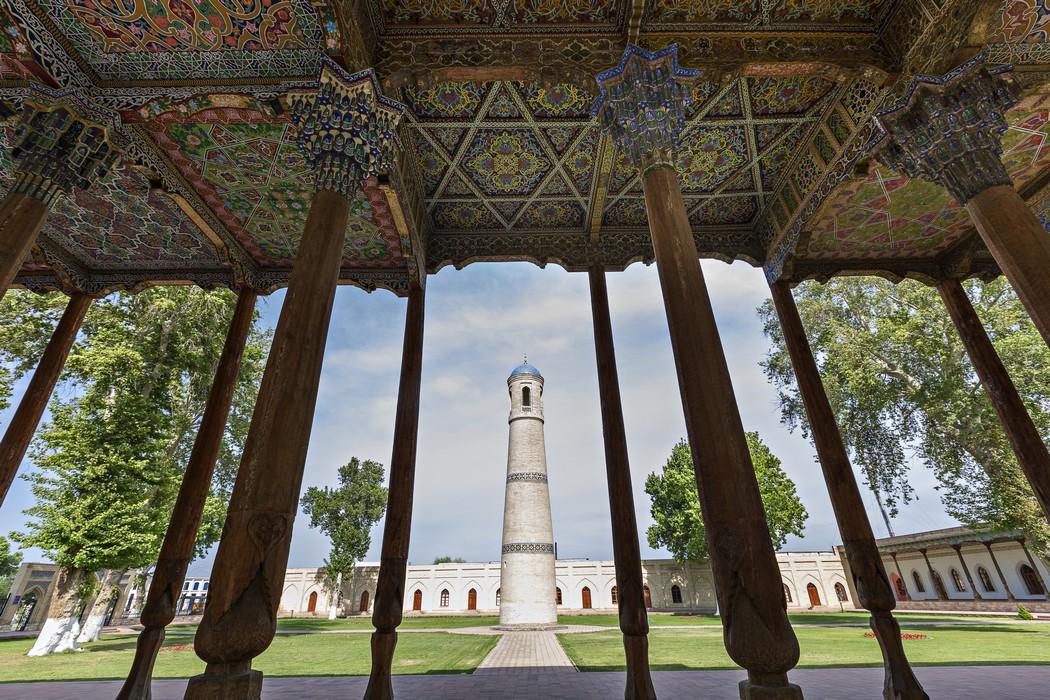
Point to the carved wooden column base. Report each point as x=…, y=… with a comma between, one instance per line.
x=900, y=683
x=379, y=681
x=235, y=681
x=639, y=680
x=774, y=687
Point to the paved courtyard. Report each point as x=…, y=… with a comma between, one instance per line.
x=984, y=683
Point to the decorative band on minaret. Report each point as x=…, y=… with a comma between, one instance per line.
x=527, y=585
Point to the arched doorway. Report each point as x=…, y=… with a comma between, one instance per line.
x=498, y=597
x=899, y=587
x=615, y=595
x=938, y=583
x=25, y=612
x=814, y=595
x=648, y=598
x=311, y=605
x=417, y=600
x=787, y=594
x=557, y=596
x=364, y=602
x=472, y=599
x=840, y=593
x=676, y=595
x=586, y=598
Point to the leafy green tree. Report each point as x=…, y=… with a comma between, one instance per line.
x=26, y=323
x=110, y=461
x=678, y=525
x=9, y=563
x=449, y=560
x=346, y=514
x=901, y=384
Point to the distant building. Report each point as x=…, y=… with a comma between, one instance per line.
x=955, y=569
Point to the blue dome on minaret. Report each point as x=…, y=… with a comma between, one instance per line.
x=525, y=368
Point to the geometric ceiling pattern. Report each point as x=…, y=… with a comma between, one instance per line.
x=886, y=215
x=515, y=156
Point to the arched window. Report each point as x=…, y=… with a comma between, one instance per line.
x=986, y=580
x=840, y=593
x=498, y=596
x=586, y=598
x=938, y=584
x=472, y=599
x=557, y=596
x=417, y=600
x=1031, y=580
x=444, y=597
x=787, y=594
x=526, y=397
x=615, y=595
x=676, y=594
x=311, y=605
x=814, y=595
x=363, y=607
x=648, y=598
x=918, y=582
x=957, y=580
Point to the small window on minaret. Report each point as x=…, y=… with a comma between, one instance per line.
x=526, y=399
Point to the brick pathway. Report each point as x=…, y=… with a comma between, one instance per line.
x=969, y=683
x=526, y=650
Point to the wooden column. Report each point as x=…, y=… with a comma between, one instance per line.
x=998, y=570
x=390, y=589
x=23, y=423
x=747, y=579
x=240, y=617
x=176, y=552
x=21, y=218
x=897, y=566
x=869, y=574
x=1020, y=245
x=966, y=570
x=948, y=130
x=634, y=623
x=1024, y=438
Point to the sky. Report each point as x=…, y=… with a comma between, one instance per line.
x=480, y=321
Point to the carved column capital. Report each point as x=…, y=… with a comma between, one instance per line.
x=642, y=104
x=63, y=141
x=948, y=130
x=347, y=129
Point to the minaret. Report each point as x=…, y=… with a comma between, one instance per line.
x=527, y=587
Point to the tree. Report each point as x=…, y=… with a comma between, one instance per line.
x=346, y=514
x=678, y=525
x=9, y=563
x=110, y=460
x=449, y=560
x=28, y=320
x=901, y=385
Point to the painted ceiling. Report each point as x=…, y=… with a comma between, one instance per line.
x=513, y=156
x=504, y=151
x=885, y=215
x=141, y=40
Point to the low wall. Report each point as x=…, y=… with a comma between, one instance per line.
x=999, y=606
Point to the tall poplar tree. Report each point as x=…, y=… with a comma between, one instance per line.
x=902, y=387
x=346, y=514
x=109, y=462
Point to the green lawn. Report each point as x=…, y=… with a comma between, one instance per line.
x=289, y=655
x=859, y=618
x=679, y=650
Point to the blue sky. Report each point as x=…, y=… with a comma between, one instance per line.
x=480, y=320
